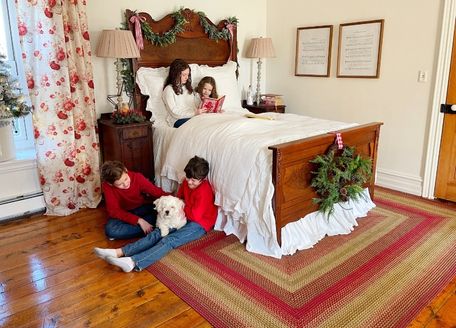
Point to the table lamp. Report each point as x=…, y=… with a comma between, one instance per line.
x=117, y=44
x=260, y=48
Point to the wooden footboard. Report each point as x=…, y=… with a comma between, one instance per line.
x=291, y=171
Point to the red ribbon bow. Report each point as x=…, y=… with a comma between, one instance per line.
x=136, y=19
x=230, y=28
x=339, y=141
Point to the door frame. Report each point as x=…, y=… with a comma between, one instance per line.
x=439, y=97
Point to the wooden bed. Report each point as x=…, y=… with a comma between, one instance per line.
x=291, y=168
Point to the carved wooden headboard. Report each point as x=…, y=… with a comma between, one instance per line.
x=193, y=45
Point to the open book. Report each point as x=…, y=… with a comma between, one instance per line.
x=212, y=105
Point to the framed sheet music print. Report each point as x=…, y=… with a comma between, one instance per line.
x=360, y=48
x=313, y=50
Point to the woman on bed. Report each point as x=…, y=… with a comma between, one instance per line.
x=178, y=94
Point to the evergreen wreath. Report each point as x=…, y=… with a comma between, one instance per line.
x=340, y=176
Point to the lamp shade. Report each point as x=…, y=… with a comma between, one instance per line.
x=117, y=44
x=261, y=48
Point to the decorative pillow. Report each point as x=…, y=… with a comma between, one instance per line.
x=225, y=78
x=150, y=81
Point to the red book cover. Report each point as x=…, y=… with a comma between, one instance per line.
x=212, y=105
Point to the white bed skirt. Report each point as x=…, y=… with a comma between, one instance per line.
x=304, y=233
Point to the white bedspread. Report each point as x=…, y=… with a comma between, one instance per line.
x=240, y=172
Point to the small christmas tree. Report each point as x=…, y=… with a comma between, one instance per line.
x=12, y=102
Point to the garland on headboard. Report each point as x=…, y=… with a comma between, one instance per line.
x=212, y=31
x=169, y=37
x=340, y=176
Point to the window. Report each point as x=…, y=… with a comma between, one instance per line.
x=9, y=46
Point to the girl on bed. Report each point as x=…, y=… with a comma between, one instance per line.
x=201, y=214
x=206, y=89
x=178, y=94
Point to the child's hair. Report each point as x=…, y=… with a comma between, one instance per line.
x=211, y=81
x=111, y=171
x=174, y=76
x=197, y=168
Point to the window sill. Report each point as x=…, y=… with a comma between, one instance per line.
x=25, y=160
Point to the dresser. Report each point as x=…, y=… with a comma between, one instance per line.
x=129, y=143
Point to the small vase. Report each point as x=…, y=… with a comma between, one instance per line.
x=7, y=149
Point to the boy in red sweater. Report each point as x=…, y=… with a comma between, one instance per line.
x=129, y=215
x=201, y=214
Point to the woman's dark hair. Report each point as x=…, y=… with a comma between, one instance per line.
x=174, y=76
x=210, y=80
x=196, y=168
x=111, y=171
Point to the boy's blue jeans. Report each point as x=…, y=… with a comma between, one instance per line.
x=153, y=247
x=118, y=229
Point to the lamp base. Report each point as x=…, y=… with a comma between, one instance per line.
x=258, y=92
x=117, y=100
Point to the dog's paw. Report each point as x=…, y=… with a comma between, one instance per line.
x=164, y=232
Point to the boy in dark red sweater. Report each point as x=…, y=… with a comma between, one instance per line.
x=124, y=191
x=201, y=214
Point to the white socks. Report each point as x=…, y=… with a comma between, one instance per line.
x=125, y=263
x=104, y=252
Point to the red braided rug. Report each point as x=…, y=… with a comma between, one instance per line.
x=381, y=275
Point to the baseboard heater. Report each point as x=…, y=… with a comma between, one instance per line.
x=21, y=206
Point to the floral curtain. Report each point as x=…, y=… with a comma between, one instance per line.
x=57, y=60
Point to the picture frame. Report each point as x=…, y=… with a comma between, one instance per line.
x=360, y=49
x=313, y=50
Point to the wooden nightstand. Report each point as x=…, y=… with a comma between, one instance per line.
x=129, y=143
x=263, y=108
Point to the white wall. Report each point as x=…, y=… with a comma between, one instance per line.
x=410, y=43
x=109, y=15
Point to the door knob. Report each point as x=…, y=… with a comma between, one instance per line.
x=448, y=108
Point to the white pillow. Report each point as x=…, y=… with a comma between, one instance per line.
x=225, y=78
x=150, y=82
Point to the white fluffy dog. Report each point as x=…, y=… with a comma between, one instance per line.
x=170, y=214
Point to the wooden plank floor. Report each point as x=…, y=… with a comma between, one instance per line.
x=50, y=278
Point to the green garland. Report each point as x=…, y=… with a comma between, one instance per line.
x=127, y=117
x=169, y=37
x=212, y=31
x=128, y=77
x=340, y=176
